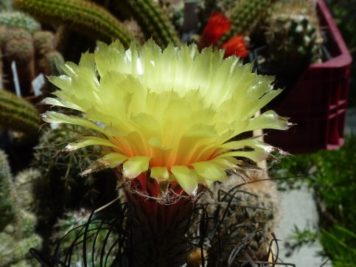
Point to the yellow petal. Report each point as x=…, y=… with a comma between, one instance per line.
x=90, y=141
x=186, y=178
x=134, y=166
x=160, y=173
x=209, y=170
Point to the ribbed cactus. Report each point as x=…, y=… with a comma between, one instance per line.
x=293, y=34
x=82, y=15
x=153, y=21
x=18, y=114
x=245, y=17
x=7, y=209
x=17, y=224
x=15, y=19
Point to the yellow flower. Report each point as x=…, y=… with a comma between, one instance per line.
x=172, y=112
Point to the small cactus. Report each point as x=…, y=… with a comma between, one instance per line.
x=18, y=114
x=16, y=19
x=81, y=15
x=241, y=215
x=43, y=42
x=293, y=34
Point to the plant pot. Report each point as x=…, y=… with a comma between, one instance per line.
x=317, y=101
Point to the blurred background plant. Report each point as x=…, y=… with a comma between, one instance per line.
x=332, y=176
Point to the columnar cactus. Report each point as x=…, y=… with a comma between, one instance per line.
x=18, y=114
x=153, y=21
x=245, y=17
x=17, y=224
x=82, y=15
x=7, y=209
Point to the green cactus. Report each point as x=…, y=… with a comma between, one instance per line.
x=18, y=114
x=81, y=15
x=24, y=182
x=293, y=34
x=245, y=17
x=7, y=208
x=13, y=251
x=153, y=21
x=16, y=19
x=17, y=225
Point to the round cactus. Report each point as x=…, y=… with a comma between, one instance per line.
x=44, y=42
x=16, y=19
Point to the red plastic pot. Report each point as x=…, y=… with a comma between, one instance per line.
x=317, y=102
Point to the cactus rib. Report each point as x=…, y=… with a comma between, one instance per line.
x=153, y=21
x=80, y=14
x=18, y=114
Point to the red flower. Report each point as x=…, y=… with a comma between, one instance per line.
x=236, y=46
x=216, y=27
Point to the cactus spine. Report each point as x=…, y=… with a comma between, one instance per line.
x=18, y=114
x=81, y=14
x=153, y=21
x=241, y=216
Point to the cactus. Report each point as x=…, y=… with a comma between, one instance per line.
x=19, y=48
x=245, y=17
x=33, y=53
x=18, y=114
x=61, y=187
x=239, y=216
x=24, y=182
x=12, y=251
x=153, y=21
x=293, y=34
x=43, y=42
x=7, y=209
x=82, y=15
x=16, y=223
x=15, y=19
